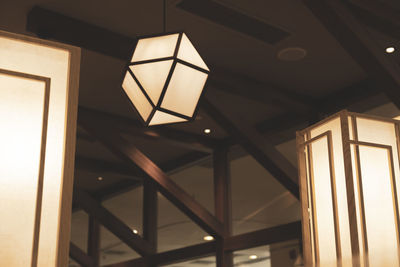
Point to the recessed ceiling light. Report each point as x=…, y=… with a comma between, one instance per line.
x=207, y=131
x=390, y=49
x=253, y=257
x=208, y=238
x=292, y=54
x=135, y=231
x=100, y=178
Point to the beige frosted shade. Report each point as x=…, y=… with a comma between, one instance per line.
x=38, y=105
x=165, y=79
x=349, y=180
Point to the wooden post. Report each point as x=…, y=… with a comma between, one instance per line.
x=93, y=248
x=150, y=214
x=223, y=203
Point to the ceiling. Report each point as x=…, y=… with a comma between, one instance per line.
x=249, y=70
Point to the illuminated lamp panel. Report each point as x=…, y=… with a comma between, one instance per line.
x=356, y=155
x=38, y=105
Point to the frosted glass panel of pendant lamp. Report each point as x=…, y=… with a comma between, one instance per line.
x=22, y=116
x=163, y=118
x=323, y=216
x=188, y=53
x=155, y=47
x=378, y=203
x=137, y=97
x=23, y=106
x=334, y=126
x=184, y=90
x=152, y=77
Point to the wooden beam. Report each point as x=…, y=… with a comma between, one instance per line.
x=80, y=256
x=105, y=132
x=49, y=24
x=169, y=135
x=263, y=237
x=267, y=236
x=112, y=223
x=52, y=25
x=94, y=241
x=378, y=15
x=185, y=254
x=223, y=203
x=150, y=213
x=102, y=166
x=362, y=95
x=173, y=256
x=139, y=262
x=231, y=82
x=359, y=44
x=254, y=144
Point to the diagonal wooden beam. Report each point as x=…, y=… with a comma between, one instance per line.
x=102, y=166
x=262, y=237
x=112, y=223
x=174, y=256
x=378, y=15
x=168, y=135
x=255, y=144
x=105, y=132
x=336, y=16
x=80, y=256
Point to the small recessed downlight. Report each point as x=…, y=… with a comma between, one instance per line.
x=390, y=49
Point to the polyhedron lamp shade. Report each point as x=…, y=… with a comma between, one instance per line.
x=165, y=79
x=349, y=183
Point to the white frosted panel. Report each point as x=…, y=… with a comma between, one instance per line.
x=21, y=112
x=188, y=53
x=54, y=63
x=152, y=77
x=162, y=118
x=380, y=132
x=378, y=205
x=357, y=201
x=184, y=90
x=137, y=97
x=155, y=47
x=335, y=127
x=323, y=204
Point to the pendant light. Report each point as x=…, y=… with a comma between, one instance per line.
x=165, y=78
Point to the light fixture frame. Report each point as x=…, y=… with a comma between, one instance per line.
x=176, y=60
x=353, y=180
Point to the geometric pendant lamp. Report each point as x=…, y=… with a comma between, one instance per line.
x=165, y=79
x=350, y=184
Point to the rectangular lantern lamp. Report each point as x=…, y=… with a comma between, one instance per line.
x=38, y=106
x=349, y=183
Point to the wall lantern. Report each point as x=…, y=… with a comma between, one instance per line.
x=38, y=105
x=349, y=182
x=165, y=79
